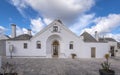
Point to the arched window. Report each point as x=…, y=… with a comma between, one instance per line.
x=71, y=45
x=38, y=44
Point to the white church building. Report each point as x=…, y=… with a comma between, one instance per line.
x=57, y=41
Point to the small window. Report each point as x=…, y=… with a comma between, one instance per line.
x=25, y=45
x=71, y=45
x=55, y=28
x=38, y=44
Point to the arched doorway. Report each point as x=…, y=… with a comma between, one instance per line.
x=55, y=48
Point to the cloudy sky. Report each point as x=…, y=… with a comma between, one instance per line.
x=78, y=15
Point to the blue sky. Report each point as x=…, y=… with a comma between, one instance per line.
x=78, y=15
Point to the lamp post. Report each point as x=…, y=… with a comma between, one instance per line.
x=11, y=50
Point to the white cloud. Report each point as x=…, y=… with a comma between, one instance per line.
x=25, y=31
x=67, y=10
x=2, y=30
x=84, y=21
x=20, y=31
x=105, y=24
x=71, y=12
x=47, y=21
x=20, y=5
x=37, y=24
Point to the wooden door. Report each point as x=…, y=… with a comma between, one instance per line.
x=93, y=52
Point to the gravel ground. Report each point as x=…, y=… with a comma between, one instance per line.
x=40, y=66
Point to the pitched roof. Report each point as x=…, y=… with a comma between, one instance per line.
x=88, y=37
x=4, y=37
x=102, y=40
x=22, y=37
x=110, y=39
x=55, y=22
x=106, y=40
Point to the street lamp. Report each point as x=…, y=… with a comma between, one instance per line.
x=11, y=50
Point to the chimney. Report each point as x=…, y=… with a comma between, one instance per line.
x=13, y=26
x=29, y=32
x=96, y=36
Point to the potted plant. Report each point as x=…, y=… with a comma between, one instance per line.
x=106, y=70
x=73, y=56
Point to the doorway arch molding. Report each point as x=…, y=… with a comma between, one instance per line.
x=49, y=44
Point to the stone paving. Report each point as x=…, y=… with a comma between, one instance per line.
x=41, y=66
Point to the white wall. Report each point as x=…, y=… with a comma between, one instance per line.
x=64, y=36
x=111, y=43
x=101, y=50
x=2, y=48
x=20, y=51
x=118, y=53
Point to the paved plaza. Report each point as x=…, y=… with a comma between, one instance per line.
x=44, y=66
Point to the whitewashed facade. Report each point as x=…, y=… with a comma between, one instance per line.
x=55, y=40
